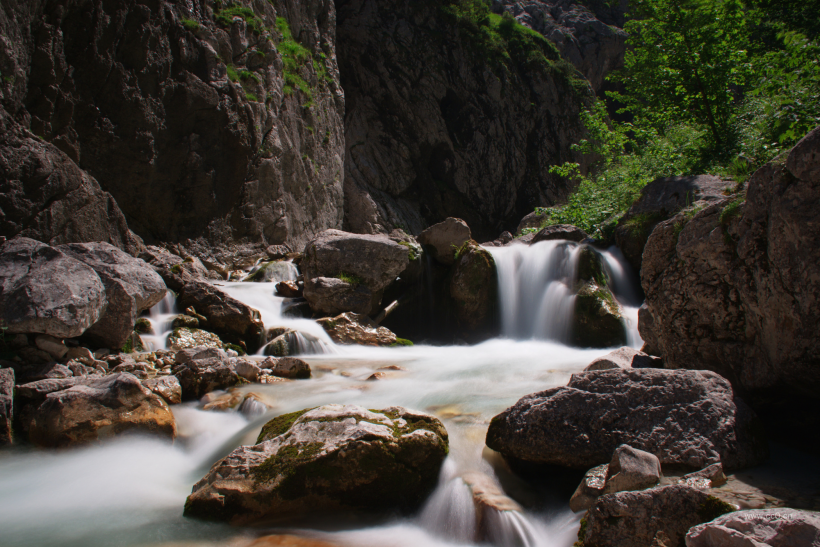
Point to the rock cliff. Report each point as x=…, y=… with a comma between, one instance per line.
x=210, y=122
x=451, y=111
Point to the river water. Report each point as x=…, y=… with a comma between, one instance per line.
x=131, y=491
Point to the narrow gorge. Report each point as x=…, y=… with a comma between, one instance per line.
x=314, y=273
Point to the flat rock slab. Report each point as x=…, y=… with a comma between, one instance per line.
x=759, y=528
x=329, y=459
x=684, y=417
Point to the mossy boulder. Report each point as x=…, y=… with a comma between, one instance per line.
x=473, y=285
x=597, y=322
x=330, y=459
x=591, y=266
x=273, y=272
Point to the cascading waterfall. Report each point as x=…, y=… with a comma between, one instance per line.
x=537, y=293
x=161, y=317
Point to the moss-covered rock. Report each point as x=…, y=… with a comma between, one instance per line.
x=591, y=266
x=325, y=460
x=597, y=322
x=185, y=321
x=474, y=286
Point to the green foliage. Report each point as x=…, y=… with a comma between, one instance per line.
x=225, y=16
x=251, y=97
x=684, y=59
x=233, y=75
x=295, y=56
x=731, y=210
x=190, y=24
x=401, y=342
x=413, y=252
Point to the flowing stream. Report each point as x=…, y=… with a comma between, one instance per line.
x=131, y=491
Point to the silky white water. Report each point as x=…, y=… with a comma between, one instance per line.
x=131, y=491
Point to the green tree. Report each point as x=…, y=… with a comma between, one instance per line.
x=686, y=62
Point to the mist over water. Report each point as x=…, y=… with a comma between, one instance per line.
x=131, y=491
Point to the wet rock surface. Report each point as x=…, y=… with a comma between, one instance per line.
x=227, y=317
x=327, y=460
x=597, y=321
x=762, y=528
x=474, y=288
x=733, y=289
x=686, y=418
x=167, y=387
x=202, y=370
x=560, y=232
x=97, y=409
x=625, y=357
x=446, y=238
x=650, y=518
x=187, y=337
x=351, y=328
x=6, y=408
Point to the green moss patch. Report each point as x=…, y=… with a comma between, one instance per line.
x=712, y=508
x=280, y=425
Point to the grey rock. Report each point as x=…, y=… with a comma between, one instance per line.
x=26, y=372
x=686, y=418
x=131, y=287
x=709, y=477
x=446, y=238
x=247, y=370
x=351, y=328
x=624, y=357
x=532, y=221
x=474, y=290
x=779, y=527
x=52, y=346
x=329, y=295
x=591, y=487
x=185, y=338
x=44, y=195
x=431, y=136
x=597, y=321
x=733, y=289
x=167, y=387
x=99, y=409
x=632, y=469
x=649, y=518
x=560, y=232
x=227, y=317
x=44, y=291
x=290, y=367
x=660, y=200
x=6, y=408
x=37, y=391
x=202, y=370
x=330, y=459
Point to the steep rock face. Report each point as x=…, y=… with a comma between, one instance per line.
x=185, y=111
x=736, y=288
x=440, y=122
x=588, y=34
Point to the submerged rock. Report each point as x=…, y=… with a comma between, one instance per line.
x=597, y=321
x=97, y=409
x=131, y=286
x=446, y=238
x=352, y=328
x=288, y=367
x=202, y=370
x=43, y=290
x=684, y=417
x=651, y=518
x=327, y=460
x=780, y=527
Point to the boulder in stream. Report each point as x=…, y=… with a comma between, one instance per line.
x=100, y=408
x=779, y=527
x=6, y=398
x=131, y=286
x=445, y=238
x=656, y=517
x=684, y=417
x=167, y=387
x=202, y=370
x=331, y=459
x=353, y=328
x=187, y=337
x=597, y=321
x=474, y=287
x=566, y=232
x=43, y=290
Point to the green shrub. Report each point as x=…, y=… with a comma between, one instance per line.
x=350, y=278
x=190, y=24
x=401, y=342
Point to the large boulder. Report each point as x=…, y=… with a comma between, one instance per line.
x=6, y=410
x=98, y=409
x=326, y=460
x=360, y=264
x=474, y=287
x=446, y=238
x=597, y=321
x=686, y=418
x=650, y=518
x=175, y=271
x=202, y=370
x=42, y=290
x=229, y=318
x=780, y=527
x=662, y=199
x=351, y=328
x=554, y=232
x=131, y=286
x=735, y=288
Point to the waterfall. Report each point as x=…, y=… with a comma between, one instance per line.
x=537, y=284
